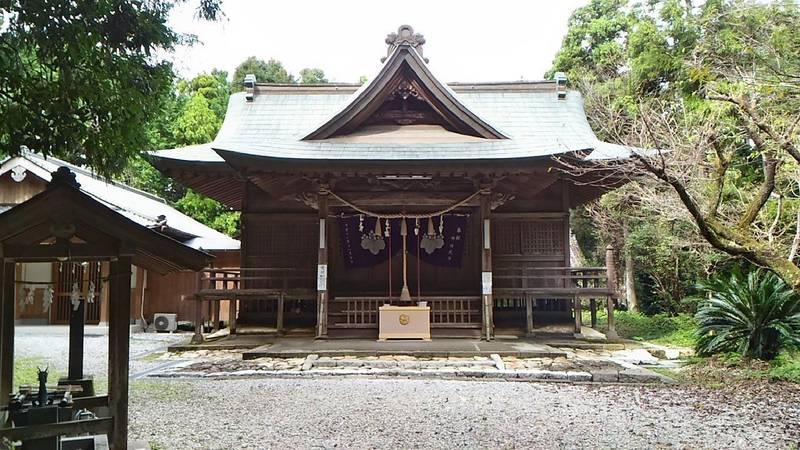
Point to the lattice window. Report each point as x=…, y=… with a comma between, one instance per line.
x=529, y=238
x=505, y=237
x=542, y=238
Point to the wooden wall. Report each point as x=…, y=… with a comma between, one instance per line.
x=164, y=292
x=12, y=192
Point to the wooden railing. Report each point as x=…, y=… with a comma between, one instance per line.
x=446, y=311
x=558, y=281
x=245, y=282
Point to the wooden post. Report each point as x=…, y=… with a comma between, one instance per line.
x=529, y=312
x=279, y=320
x=104, y=295
x=611, y=274
x=215, y=315
x=197, y=338
x=6, y=335
x=322, y=266
x=487, y=328
x=232, y=307
x=76, y=331
x=576, y=301
x=118, y=348
x=593, y=310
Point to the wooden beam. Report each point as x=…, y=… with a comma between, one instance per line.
x=576, y=301
x=404, y=198
x=529, y=312
x=119, y=285
x=322, y=266
x=70, y=428
x=7, y=272
x=47, y=253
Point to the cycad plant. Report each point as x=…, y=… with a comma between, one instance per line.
x=753, y=313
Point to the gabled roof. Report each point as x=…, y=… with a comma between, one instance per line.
x=141, y=207
x=499, y=121
x=405, y=65
x=64, y=220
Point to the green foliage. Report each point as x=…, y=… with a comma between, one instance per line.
x=209, y=212
x=80, y=79
x=312, y=76
x=755, y=314
x=197, y=123
x=786, y=367
x=663, y=329
x=271, y=71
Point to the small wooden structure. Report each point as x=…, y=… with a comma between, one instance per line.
x=65, y=224
x=314, y=167
x=404, y=322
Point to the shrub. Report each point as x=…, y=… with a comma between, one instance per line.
x=754, y=314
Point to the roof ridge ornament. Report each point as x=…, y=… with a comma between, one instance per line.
x=63, y=176
x=405, y=36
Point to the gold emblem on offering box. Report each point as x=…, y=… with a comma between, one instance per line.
x=404, y=319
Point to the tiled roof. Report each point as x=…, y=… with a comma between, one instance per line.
x=137, y=205
x=537, y=122
x=530, y=114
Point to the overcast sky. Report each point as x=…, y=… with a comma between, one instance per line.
x=489, y=40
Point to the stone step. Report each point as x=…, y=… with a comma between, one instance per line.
x=403, y=364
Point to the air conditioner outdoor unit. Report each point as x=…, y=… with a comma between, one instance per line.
x=165, y=322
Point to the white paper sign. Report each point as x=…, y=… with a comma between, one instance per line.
x=322, y=277
x=486, y=282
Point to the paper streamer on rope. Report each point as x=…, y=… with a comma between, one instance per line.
x=368, y=249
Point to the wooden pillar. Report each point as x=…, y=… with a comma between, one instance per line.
x=197, y=338
x=104, y=295
x=7, y=303
x=593, y=311
x=215, y=315
x=487, y=328
x=76, y=331
x=611, y=274
x=118, y=348
x=279, y=320
x=232, y=308
x=322, y=266
x=529, y=312
x=576, y=301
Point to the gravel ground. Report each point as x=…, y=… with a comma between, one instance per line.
x=51, y=344
x=397, y=413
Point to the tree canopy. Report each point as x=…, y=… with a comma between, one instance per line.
x=79, y=79
x=716, y=85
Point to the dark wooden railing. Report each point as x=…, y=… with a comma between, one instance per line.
x=446, y=311
x=215, y=283
x=555, y=281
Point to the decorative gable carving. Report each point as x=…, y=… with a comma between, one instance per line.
x=405, y=92
x=405, y=36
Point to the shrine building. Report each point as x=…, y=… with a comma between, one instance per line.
x=403, y=192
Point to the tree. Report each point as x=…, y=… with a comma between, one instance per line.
x=80, y=80
x=312, y=76
x=271, y=71
x=733, y=154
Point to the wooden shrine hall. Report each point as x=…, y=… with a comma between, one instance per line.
x=401, y=192
x=66, y=224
